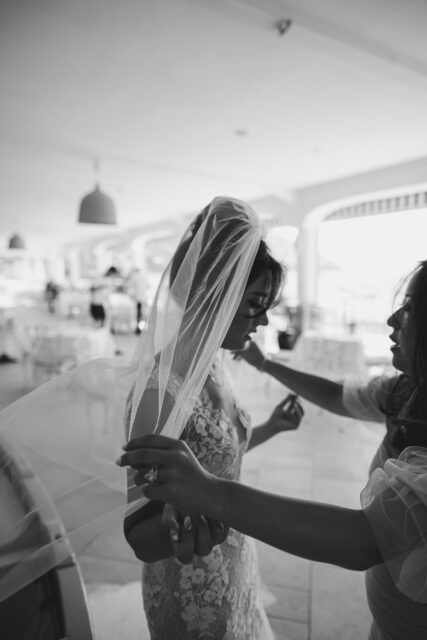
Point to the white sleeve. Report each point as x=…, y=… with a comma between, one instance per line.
x=395, y=504
x=367, y=401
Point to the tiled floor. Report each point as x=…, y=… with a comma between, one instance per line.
x=326, y=459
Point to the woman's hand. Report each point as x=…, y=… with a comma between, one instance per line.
x=191, y=535
x=179, y=477
x=287, y=415
x=252, y=354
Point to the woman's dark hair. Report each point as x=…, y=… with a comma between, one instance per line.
x=183, y=247
x=265, y=263
x=410, y=393
x=418, y=327
x=229, y=234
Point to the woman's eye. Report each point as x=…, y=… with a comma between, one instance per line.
x=256, y=309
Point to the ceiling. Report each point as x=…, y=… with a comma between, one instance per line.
x=182, y=100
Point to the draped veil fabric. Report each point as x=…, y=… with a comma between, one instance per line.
x=63, y=437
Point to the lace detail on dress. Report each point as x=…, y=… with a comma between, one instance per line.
x=172, y=385
x=216, y=596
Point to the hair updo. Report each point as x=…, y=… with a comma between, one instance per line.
x=263, y=261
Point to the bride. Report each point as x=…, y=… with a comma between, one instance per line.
x=223, y=280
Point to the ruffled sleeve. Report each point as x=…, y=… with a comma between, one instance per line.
x=367, y=401
x=395, y=504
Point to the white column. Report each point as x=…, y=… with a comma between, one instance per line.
x=73, y=262
x=308, y=265
x=137, y=247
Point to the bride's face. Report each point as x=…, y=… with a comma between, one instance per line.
x=250, y=314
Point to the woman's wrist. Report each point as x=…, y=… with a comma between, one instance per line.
x=263, y=363
x=216, y=499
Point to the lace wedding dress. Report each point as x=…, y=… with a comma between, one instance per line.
x=216, y=596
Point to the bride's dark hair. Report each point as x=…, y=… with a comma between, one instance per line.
x=228, y=234
x=265, y=263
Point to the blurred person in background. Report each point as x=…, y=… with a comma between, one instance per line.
x=138, y=289
x=51, y=293
x=98, y=301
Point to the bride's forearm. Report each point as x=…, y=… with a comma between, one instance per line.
x=144, y=533
x=316, y=531
x=261, y=433
x=148, y=540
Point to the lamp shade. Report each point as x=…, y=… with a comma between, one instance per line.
x=97, y=208
x=16, y=242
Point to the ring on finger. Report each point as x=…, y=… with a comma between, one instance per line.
x=152, y=475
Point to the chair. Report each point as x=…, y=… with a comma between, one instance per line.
x=50, y=354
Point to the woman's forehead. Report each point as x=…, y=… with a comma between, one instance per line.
x=261, y=286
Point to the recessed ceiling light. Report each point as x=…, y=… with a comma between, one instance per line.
x=283, y=26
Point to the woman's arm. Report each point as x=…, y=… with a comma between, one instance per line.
x=178, y=535
x=157, y=530
x=286, y=416
x=144, y=529
x=316, y=531
x=320, y=391
x=144, y=533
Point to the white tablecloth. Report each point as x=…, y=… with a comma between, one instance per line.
x=79, y=343
x=54, y=350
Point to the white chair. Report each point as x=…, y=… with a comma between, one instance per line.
x=50, y=354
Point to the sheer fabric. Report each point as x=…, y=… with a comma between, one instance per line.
x=367, y=401
x=394, y=502
x=215, y=596
x=59, y=443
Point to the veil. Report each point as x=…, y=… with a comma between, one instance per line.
x=58, y=444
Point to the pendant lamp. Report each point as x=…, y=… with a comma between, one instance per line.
x=16, y=242
x=96, y=207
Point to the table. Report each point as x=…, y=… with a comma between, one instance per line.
x=57, y=349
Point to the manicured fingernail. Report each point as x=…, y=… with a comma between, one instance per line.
x=174, y=535
x=187, y=523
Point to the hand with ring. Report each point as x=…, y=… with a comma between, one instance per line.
x=149, y=477
x=191, y=535
x=180, y=477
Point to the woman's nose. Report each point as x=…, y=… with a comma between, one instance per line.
x=263, y=320
x=393, y=320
